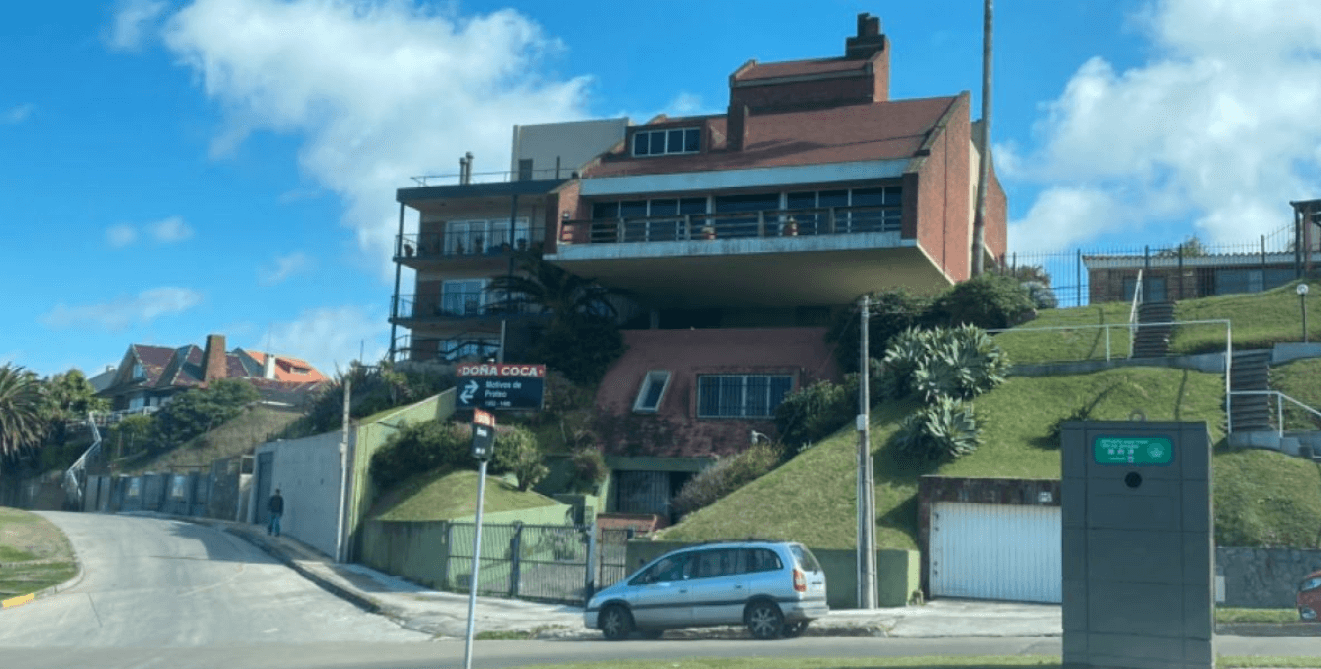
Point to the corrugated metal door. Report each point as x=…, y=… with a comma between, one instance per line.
x=995, y=551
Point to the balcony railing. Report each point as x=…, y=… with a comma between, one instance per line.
x=465, y=244
x=470, y=304
x=433, y=349
x=754, y=224
x=497, y=177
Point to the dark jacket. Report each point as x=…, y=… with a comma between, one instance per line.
x=276, y=504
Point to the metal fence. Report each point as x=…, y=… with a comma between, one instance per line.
x=1066, y=272
x=550, y=563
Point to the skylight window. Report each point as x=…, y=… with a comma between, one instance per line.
x=665, y=142
x=652, y=391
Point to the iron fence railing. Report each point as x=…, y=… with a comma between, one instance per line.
x=734, y=225
x=458, y=304
x=552, y=563
x=458, y=243
x=548, y=173
x=452, y=349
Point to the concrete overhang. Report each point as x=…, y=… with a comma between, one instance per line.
x=472, y=196
x=776, y=272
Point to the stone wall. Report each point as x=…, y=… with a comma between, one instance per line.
x=1264, y=578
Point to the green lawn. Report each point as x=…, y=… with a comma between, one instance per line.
x=811, y=498
x=237, y=436
x=1027, y=346
x=1264, y=498
x=1298, y=379
x=1259, y=320
x=35, y=553
x=442, y=495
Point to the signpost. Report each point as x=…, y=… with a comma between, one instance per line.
x=501, y=386
x=483, y=439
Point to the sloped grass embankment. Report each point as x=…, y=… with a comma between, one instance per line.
x=34, y=554
x=444, y=494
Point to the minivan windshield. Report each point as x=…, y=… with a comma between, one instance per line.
x=805, y=557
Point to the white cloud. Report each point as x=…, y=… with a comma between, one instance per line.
x=126, y=310
x=169, y=230
x=121, y=235
x=331, y=336
x=1066, y=217
x=16, y=114
x=380, y=91
x=283, y=267
x=131, y=22
x=1219, y=127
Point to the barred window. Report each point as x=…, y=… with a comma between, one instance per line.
x=741, y=396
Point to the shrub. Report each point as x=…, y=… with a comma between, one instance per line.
x=946, y=428
x=375, y=389
x=199, y=410
x=726, y=476
x=892, y=312
x=589, y=469
x=812, y=413
x=1042, y=296
x=421, y=447
x=989, y=301
x=516, y=451
x=581, y=347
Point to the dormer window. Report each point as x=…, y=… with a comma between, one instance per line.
x=138, y=372
x=667, y=142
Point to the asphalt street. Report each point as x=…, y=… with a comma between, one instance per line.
x=160, y=583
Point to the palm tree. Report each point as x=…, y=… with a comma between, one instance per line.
x=561, y=293
x=21, y=422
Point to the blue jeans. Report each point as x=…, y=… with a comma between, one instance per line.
x=274, y=526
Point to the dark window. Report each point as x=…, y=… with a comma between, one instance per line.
x=763, y=559
x=752, y=202
x=525, y=169
x=692, y=140
x=602, y=210
x=657, y=143
x=805, y=557
x=692, y=205
x=664, y=207
x=802, y=200
x=833, y=198
x=668, y=141
x=740, y=396
x=651, y=392
x=634, y=209
x=641, y=144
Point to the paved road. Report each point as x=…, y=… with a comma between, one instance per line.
x=159, y=583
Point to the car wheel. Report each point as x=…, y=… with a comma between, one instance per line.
x=792, y=630
x=616, y=623
x=764, y=620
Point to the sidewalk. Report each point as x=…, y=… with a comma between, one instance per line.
x=445, y=614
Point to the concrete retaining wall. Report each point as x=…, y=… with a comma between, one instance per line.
x=307, y=473
x=1264, y=578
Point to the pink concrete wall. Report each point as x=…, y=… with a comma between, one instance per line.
x=675, y=430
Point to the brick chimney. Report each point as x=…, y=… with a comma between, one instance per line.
x=214, y=359
x=737, y=127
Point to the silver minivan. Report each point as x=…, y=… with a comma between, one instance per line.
x=775, y=588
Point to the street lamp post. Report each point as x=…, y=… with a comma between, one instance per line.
x=1302, y=299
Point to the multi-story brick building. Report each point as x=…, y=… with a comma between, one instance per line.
x=739, y=236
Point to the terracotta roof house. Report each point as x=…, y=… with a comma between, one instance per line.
x=148, y=377
x=738, y=237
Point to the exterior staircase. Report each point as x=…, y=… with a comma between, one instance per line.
x=1251, y=371
x=1153, y=341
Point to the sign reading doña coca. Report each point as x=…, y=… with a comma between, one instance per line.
x=502, y=370
x=498, y=386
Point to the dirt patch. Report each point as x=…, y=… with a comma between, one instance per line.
x=34, y=554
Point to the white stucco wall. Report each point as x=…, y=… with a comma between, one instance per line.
x=573, y=143
x=307, y=473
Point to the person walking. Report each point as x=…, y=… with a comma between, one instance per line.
x=276, y=507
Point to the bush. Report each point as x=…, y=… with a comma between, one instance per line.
x=726, y=476
x=892, y=312
x=589, y=470
x=989, y=301
x=421, y=447
x=516, y=451
x=199, y=410
x=959, y=363
x=1042, y=296
x=812, y=413
x=375, y=389
x=946, y=428
x=581, y=347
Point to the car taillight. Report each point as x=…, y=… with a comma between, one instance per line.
x=800, y=580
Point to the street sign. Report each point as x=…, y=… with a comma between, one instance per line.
x=1133, y=451
x=501, y=386
x=483, y=434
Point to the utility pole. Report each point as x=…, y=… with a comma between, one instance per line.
x=343, y=467
x=866, y=490
x=984, y=168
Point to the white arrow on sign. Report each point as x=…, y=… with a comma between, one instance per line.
x=468, y=392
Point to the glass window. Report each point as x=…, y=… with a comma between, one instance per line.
x=674, y=141
x=634, y=209
x=667, y=141
x=652, y=391
x=763, y=559
x=462, y=298
x=669, y=568
x=692, y=205
x=802, y=200
x=805, y=557
x=664, y=207
x=739, y=396
x=641, y=144
x=751, y=202
x=602, y=210
x=832, y=198
x=657, y=143
x=692, y=140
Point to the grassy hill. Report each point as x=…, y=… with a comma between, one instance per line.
x=1298, y=379
x=237, y=436
x=446, y=494
x=1261, y=498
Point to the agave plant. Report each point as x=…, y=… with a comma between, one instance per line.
x=946, y=428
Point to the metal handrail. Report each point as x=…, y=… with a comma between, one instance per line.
x=467, y=244
x=734, y=225
x=496, y=177
x=1279, y=406
x=1133, y=315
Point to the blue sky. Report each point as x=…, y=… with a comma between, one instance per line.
x=173, y=169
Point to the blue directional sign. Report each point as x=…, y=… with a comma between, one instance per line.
x=501, y=386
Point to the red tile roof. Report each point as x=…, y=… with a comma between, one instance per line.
x=154, y=360
x=850, y=133
x=797, y=68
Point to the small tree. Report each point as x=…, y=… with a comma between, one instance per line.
x=989, y=301
x=200, y=410
x=517, y=452
x=892, y=312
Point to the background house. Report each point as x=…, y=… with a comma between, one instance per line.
x=148, y=377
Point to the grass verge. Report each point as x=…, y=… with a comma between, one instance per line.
x=35, y=554
x=446, y=494
x=1025, y=346
x=1264, y=498
x=1297, y=379
x=237, y=436
x=1232, y=615
x=1260, y=320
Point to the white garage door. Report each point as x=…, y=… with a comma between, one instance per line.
x=995, y=551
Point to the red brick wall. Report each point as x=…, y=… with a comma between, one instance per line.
x=675, y=430
x=569, y=205
x=944, y=182
x=852, y=90
x=996, y=235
